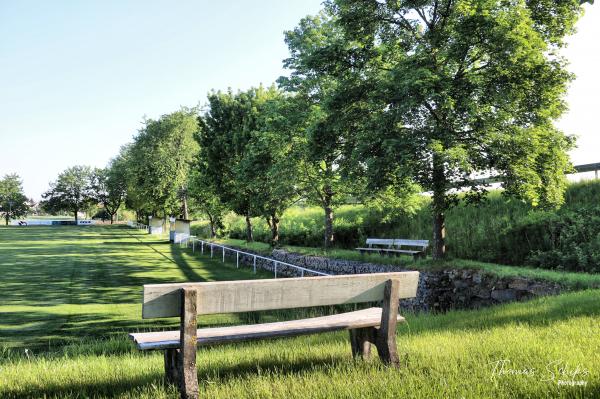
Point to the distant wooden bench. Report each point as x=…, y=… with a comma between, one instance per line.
x=188, y=300
x=396, y=246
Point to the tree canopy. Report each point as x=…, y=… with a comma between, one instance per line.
x=241, y=142
x=109, y=185
x=444, y=89
x=72, y=191
x=13, y=202
x=159, y=161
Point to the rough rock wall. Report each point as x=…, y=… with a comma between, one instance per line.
x=438, y=291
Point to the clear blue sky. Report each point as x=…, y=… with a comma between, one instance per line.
x=77, y=77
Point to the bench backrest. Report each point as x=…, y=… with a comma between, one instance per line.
x=398, y=242
x=164, y=300
x=380, y=241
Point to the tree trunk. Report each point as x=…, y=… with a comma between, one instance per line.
x=76, y=219
x=249, y=236
x=112, y=218
x=439, y=236
x=184, y=204
x=439, y=206
x=7, y=218
x=274, y=230
x=212, y=225
x=328, y=217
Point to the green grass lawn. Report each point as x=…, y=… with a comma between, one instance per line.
x=63, y=283
x=70, y=295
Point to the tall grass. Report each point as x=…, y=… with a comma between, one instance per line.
x=450, y=355
x=489, y=231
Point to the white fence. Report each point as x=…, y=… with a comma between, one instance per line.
x=185, y=240
x=237, y=252
x=139, y=226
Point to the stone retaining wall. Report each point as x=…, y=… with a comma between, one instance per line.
x=438, y=291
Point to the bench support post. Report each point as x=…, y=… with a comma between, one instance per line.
x=188, y=377
x=171, y=369
x=386, y=335
x=360, y=341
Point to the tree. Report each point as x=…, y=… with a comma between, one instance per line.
x=71, y=192
x=453, y=88
x=228, y=125
x=159, y=161
x=204, y=196
x=269, y=162
x=13, y=202
x=326, y=117
x=110, y=186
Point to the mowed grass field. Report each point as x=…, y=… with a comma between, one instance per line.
x=61, y=284
x=69, y=296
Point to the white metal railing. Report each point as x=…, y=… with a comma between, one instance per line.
x=276, y=263
x=184, y=240
x=139, y=226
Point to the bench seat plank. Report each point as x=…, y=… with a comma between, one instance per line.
x=404, y=251
x=210, y=336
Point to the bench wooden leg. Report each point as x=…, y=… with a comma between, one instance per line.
x=386, y=335
x=360, y=341
x=171, y=366
x=188, y=377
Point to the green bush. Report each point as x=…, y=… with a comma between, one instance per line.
x=569, y=240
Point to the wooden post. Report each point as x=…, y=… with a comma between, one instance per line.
x=171, y=362
x=188, y=378
x=360, y=341
x=386, y=336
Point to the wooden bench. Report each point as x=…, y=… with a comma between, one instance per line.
x=188, y=300
x=396, y=246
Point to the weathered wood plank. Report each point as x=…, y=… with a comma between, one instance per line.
x=404, y=251
x=162, y=300
x=211, y=336
x=411, y=243
x=386, y=335
x=188, y=377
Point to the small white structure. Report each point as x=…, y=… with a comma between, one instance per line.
x=182, y=230
x=172, y=229
x=156, y=225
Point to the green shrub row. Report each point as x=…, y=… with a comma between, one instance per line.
x=500, y=229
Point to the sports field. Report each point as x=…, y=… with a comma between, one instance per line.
x=70, y=295
x=65, y=284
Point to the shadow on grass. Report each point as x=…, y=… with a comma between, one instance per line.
x=112, y=388
x=134, y=385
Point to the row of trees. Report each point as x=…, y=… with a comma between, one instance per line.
x=383, y=99
x=78, y=187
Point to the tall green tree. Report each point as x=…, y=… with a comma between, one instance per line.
x=13, y=202
x=229, y=124
x=71, y=192
x=453, y=88
x=159, y=161
x=326, y=117
x=109, y=186
x=204, y=197
x=269, y=161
